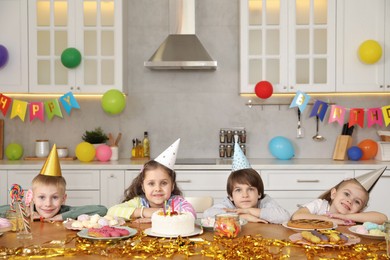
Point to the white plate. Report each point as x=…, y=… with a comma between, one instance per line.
x=210, y=227
x=68, y=224
x=307, y=229
x=298, y=239
x=353, y=230
x=84, y=234
x=197, y=231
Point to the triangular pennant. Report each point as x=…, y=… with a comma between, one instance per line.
x=52, y=108
x=19, y=109
x=68, y=101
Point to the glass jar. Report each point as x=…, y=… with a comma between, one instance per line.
x=42, y=148
x=229, y=136
x=222, y=150
x=222, y=136
x=229, y=150
x=243, y=136
x=387, y=236
x=227, y=225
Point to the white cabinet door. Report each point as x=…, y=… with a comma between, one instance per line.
x=82, y=198
x=13, y=36
x=290, y=43
x=379, y=193
x=290, y=200
x=93, y=27
x=112, y=187
x=358, y=21
x=3, y=188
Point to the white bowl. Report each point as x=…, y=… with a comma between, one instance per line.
x=62, y=152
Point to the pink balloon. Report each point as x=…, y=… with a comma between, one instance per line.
x=103, y=153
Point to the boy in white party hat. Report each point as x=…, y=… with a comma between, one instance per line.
x=344, y=203
x=154, y=188
x=48, y=194
x=246, y=196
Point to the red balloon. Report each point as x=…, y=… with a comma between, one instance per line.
x=264, y=89
x=369, y=148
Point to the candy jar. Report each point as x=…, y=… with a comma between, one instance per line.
x=227, y=225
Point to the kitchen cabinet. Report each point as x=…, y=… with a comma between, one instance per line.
x=290, y=43
x=3, y=188
x=112, y=187
x=379, y=193
x=358, y=21
x=292, y=187
x=93, y=27
x=13, y=36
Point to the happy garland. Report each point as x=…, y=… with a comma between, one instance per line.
x=37, y=110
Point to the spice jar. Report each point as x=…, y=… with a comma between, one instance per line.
x=222, y=150
x=222, y=136
x=227, y=225
x=229, y=136
x=243, y=136
x=229, y=150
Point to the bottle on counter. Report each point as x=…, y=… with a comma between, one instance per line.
x=134, y=150
x=146, y=145
x=139, y=148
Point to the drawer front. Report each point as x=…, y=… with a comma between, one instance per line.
x=289, y=200
x=75, y=179
x=83, y=198
x=202, y=180
x=304, y=179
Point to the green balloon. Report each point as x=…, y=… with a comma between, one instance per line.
x=113, y=102
x=14, y=151
x=71, y=58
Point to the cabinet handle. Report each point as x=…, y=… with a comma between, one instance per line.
x=184, y=181
x=380, y=86
x=387, y=86
x=308, y=181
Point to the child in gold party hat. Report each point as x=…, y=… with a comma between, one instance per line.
x=48, y=194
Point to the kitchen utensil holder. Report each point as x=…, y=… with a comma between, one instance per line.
x=226, y=141
x=343, y=143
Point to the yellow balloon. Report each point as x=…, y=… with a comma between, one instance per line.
x=85, y=152
x=370, y=51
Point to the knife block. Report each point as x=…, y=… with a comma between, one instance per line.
x=343, y=143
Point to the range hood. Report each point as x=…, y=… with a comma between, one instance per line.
x=181, y=49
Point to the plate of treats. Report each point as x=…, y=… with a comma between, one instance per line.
x=324, y=238
x=95, y=221
x=208, y=223
x=5, y=225
x=369, y=230
x=107, y=233
x=197, y=231
x=309, y=224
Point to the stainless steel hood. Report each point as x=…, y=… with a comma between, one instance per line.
x=181, y=49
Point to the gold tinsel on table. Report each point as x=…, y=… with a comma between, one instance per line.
x=247, y=247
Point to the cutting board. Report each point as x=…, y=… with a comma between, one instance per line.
x=44, y=158
x=1, y=138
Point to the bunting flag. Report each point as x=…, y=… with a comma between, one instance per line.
x=5, y=103
x=68, y=102
x=37, y=110
x=376, y=115
x=337, y=113
x=19, y=109
x=52, y=108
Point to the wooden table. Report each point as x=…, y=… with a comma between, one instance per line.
x=46, y=232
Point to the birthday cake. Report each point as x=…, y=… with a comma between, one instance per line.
x=172, y=223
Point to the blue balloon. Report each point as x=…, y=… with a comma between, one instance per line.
x=354, y=153
x=281, y=148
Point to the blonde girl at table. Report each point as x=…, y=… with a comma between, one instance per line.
x=344, y=204
x=246, y=196
x=48, y=195
x=154, y=188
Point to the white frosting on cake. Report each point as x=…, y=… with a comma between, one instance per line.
x=175, y=225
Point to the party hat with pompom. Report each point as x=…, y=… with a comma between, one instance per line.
x=52, y=164
x=369, y=179
x=168, y=157
x=239, y=159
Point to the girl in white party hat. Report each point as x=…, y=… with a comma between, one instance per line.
x=344, y=203
x=246, y=196
x=153, y=189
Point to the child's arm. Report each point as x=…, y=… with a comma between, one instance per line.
x=219, y=208
x=304, y=213
x=272, y=212
x=128, y=209
x=361, y=217
x=74, y=212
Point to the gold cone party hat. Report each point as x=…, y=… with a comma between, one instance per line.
x=168, y=157
x=52, y=164
x=369, y=179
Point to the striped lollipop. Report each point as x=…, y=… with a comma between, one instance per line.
x=16, y=193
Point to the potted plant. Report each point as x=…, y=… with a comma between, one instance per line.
x=96, y=136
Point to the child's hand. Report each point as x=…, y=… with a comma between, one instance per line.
x=340, y=219
x=55, y=218
x=143, y=220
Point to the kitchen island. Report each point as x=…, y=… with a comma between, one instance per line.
x=255, y=239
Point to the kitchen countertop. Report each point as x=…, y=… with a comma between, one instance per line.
x=204, y=163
